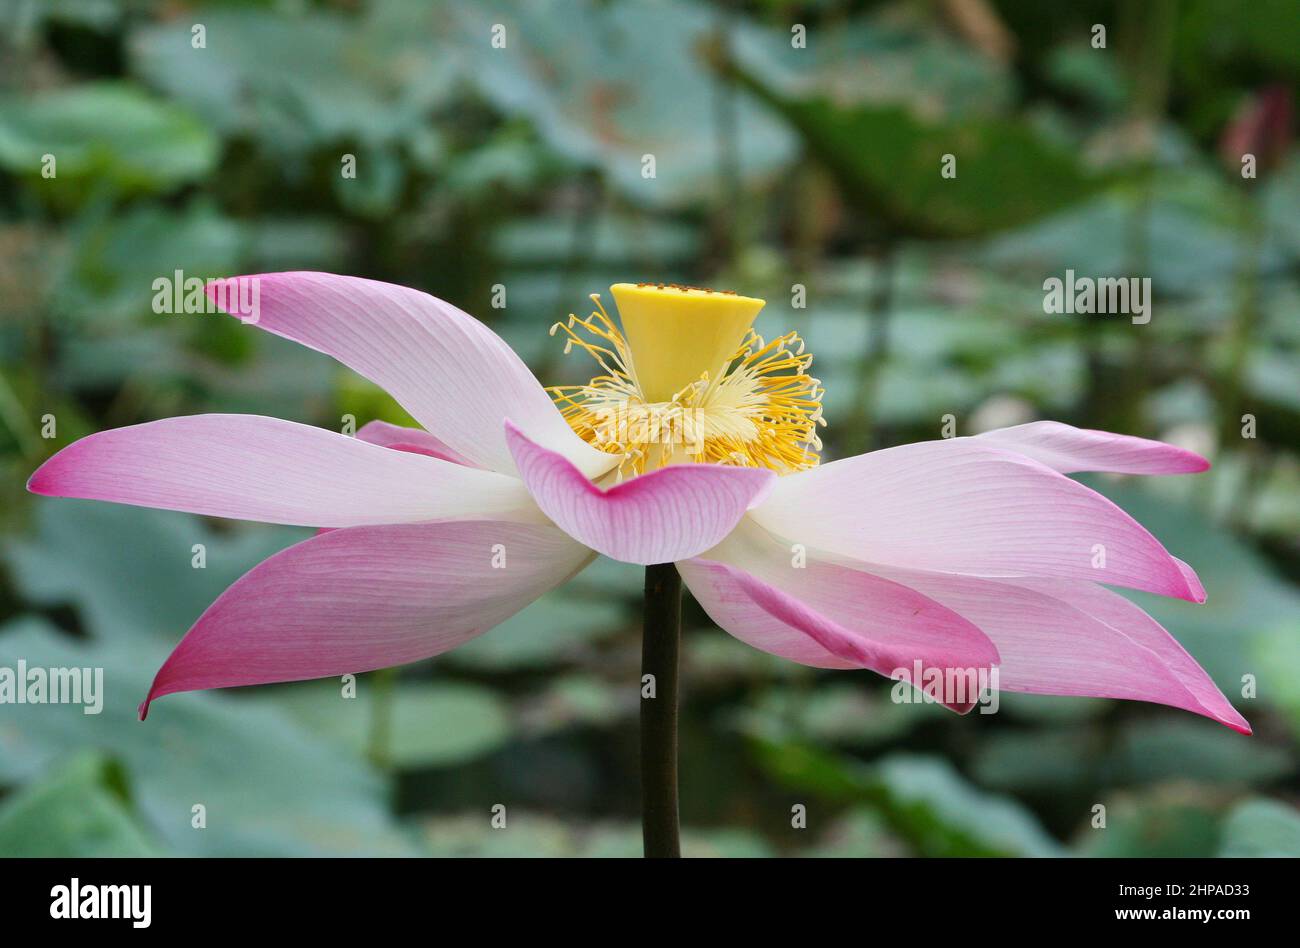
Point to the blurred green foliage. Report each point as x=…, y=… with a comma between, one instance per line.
x=775, y=164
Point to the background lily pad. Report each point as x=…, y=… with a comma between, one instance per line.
x=103, y=135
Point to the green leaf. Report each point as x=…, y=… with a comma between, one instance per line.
x=612, y=98
x=924, y=799
x=1080, y=70
x=430, y=724
x=300, y=81
x=881, y=59
x=1246, y=600
x=842, y=713
x=1037, y=761
x=103, y=133
x=712, y=655
x=1278, y=659
x=1266, y=30
x=1174, y=822
x=116, y=259
x=616, y=241
x=1173, y=746
x=1263, y=828
x=1190, y=749
x=579, y=699
x=888, y=162
x=547, y=632
x=100, y=15
x=377, y=186
x=836, y=777
x=1189, y=241
x=1051, y=709
x=269, y=788
x=74, y=811
x=943, y=815
x=99, y=557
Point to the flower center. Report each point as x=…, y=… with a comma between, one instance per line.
x=687, y=380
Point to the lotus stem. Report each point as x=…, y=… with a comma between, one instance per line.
x=660, y=640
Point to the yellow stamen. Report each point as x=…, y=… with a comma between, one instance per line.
x=718, y=393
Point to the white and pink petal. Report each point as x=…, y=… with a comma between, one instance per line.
x=250, y=467
x=963, y=506
x=413, y=440
x=1069, y=450
x=829, y=616
x=669, y=514
x=1113, y=610
x=453, y=375
x=362, y=598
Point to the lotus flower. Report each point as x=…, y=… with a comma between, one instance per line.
x=695, y=445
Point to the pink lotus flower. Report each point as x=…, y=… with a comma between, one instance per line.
x=696, y=446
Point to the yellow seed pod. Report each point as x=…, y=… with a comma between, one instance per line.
x=678, y=333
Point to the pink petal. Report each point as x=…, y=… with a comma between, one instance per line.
x=1193, y=581
x=250, y=467
x=414, y=440
x=1119, y=613
x=411, y=440
x=728, y=601
x=839, y=618
x=1064, y=637
x=353, y=600
x=964, y=506
x=1067, y=449
x=453, y=374
x=669, y=514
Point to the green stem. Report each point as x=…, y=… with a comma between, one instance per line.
x=863, y=434
x=381, y=717
x=659, y=646
x=17, y=420
x=726, y=133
